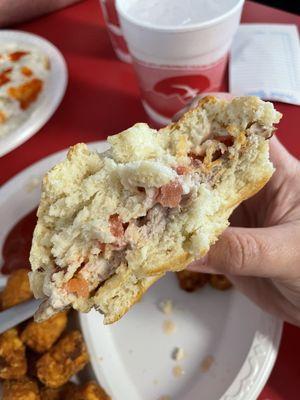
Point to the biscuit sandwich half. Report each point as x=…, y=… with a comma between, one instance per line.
x=111, y=224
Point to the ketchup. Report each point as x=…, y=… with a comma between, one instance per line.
x=17, y=244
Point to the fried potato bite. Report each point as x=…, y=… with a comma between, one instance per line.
x=64, y=392
x=191, y=281
x=219, y=282
x=41, y=336
x=89, y=391
x=22, y=389
x=65, y=359
x=13, y=363
x=17, y=289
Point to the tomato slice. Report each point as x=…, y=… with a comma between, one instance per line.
x=170, y=195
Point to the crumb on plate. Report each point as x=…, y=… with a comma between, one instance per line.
x=166, y=306
x=206, y=363
x=178, y=354
x=177, y=371
x=169, y=327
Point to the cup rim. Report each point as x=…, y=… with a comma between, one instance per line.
x=171, y=29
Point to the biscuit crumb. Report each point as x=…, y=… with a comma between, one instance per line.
x=178, y=354
x=178, y=371
x=206, y=363
x=32, y=184
x=165, y=398
x=166, y=306
x=169, y=327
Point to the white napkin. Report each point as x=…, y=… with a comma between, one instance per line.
x=265, y=62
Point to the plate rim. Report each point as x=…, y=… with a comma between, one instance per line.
x=29, y=127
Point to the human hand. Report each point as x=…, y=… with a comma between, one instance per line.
x=260, y=253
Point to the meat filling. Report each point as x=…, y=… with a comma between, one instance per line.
x=176, y=195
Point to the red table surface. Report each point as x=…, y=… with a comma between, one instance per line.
x=102, y=98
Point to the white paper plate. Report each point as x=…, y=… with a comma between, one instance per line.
x=50, y=97
x=132, y=358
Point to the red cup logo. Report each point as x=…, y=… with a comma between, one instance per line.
x=166, y=89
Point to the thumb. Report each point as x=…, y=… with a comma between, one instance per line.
x=264, y=252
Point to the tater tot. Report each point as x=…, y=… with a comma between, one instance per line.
x=191, y=281
x=89, y=391
x=17, y=289
x=22, y=389
x=41, y=336
x=65, y=359
x=219, y=282
x=13, y=364
x=62, y=393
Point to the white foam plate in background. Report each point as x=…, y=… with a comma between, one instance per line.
x=50, y=97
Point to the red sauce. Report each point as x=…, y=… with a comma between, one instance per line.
x=17, y=55
x=4, y=78
x=17, y=244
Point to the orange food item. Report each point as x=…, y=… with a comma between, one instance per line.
x=79, y=286
x=170, y=195
x=2, y=117
x=4, y=78
x=116, y=226
x=26, y=71
x=181, y=170
x=26, y=93
x=16, y=55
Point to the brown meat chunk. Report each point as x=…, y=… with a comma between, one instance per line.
x=13, y=364
x=89, y=391
x=41, y=336
x=191, y=281
x=65, y=359
x=219, y=282
x=17, y=289
x=22, y=389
